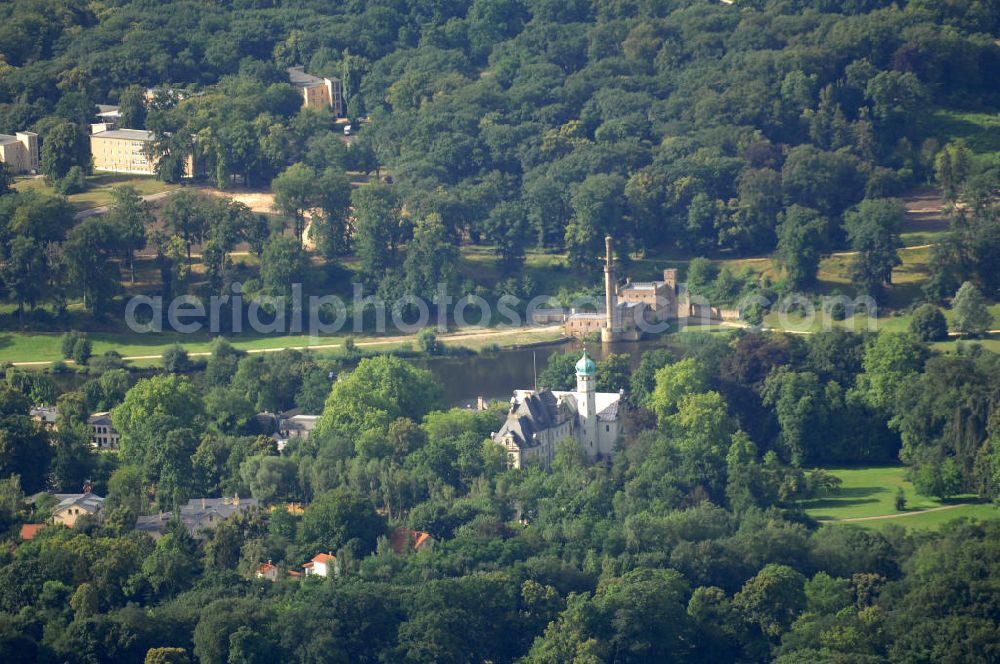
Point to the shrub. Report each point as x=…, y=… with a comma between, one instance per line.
x=176, y=360
x=701, y=275
x=928, y=323
x=82, y=350
x=69, y=342
x=74, y=182
x=428, y=341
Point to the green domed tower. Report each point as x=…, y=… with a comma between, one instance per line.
x=586, y=374
x=586, y=366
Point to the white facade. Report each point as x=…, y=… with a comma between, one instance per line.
x=538, y=421
x=322, y=565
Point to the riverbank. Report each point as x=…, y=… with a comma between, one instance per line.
x=40, y=350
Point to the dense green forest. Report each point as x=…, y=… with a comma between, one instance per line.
x=782, y=128
x=687, y=546
x=697, y=127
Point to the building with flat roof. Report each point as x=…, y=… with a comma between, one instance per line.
x=318, y=92
x=125, y=150
x=20, y=152
x=109, y=113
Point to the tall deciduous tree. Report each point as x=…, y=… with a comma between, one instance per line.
x=90, y=248
x=64, y=147
x=972, y=318
x=597, y=211
x=431, y=258
x=330, y=229
x=378, y=228
x=184, y=215
x=131, y=215
x=151, y=409
x=132, y=106
x=378, y=391
x=339, y=517
x=295, y=195
x=801, y=236
x=873, y=229
x=507, y=228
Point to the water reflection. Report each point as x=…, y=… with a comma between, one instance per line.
x=497, y=375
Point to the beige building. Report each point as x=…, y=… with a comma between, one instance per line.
x=74, y=505
x=125, y=150
x=121, y=150
x=102, y=433
x=318, y=92
x=20, y=152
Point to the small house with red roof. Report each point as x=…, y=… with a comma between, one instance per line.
x=267, y=571
x=29, y=530
x=404, y=540
x=321, y=565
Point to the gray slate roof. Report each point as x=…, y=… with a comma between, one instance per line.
x=194, y=512
x=534, y=414
x=46, y=414
x=88, y=501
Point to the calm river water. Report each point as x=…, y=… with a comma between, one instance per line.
x=497, y=375
x=489, y=375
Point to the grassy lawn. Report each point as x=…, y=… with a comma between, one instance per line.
x=868, y=492
x=892, y=321
x=99, y=188
x=45, y=347
x=980, y=131
x=932, y=520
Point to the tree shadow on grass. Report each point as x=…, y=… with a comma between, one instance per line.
x=858, y=495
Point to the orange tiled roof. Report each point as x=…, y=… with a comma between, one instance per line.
x=322, y=558
x=265, y=568
x=403, y=537
x=29, y=530
x=419, y=538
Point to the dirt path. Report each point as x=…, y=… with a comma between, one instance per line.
x=103, y=209
x=261, y=202
x=901, y=515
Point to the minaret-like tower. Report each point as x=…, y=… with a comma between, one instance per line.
x=586, y=374
x=610, y=293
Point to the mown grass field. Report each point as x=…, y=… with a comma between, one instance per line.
x=979, y=131
x=871, y=492
x=99, y=188
x=45, y=347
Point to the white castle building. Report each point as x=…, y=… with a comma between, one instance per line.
x=537, y=421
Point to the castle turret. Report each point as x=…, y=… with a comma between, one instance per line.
x=610, y=294
x=586, y=374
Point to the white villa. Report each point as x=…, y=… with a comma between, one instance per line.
x=537, y=421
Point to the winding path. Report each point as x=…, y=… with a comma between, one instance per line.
x=901, y=515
